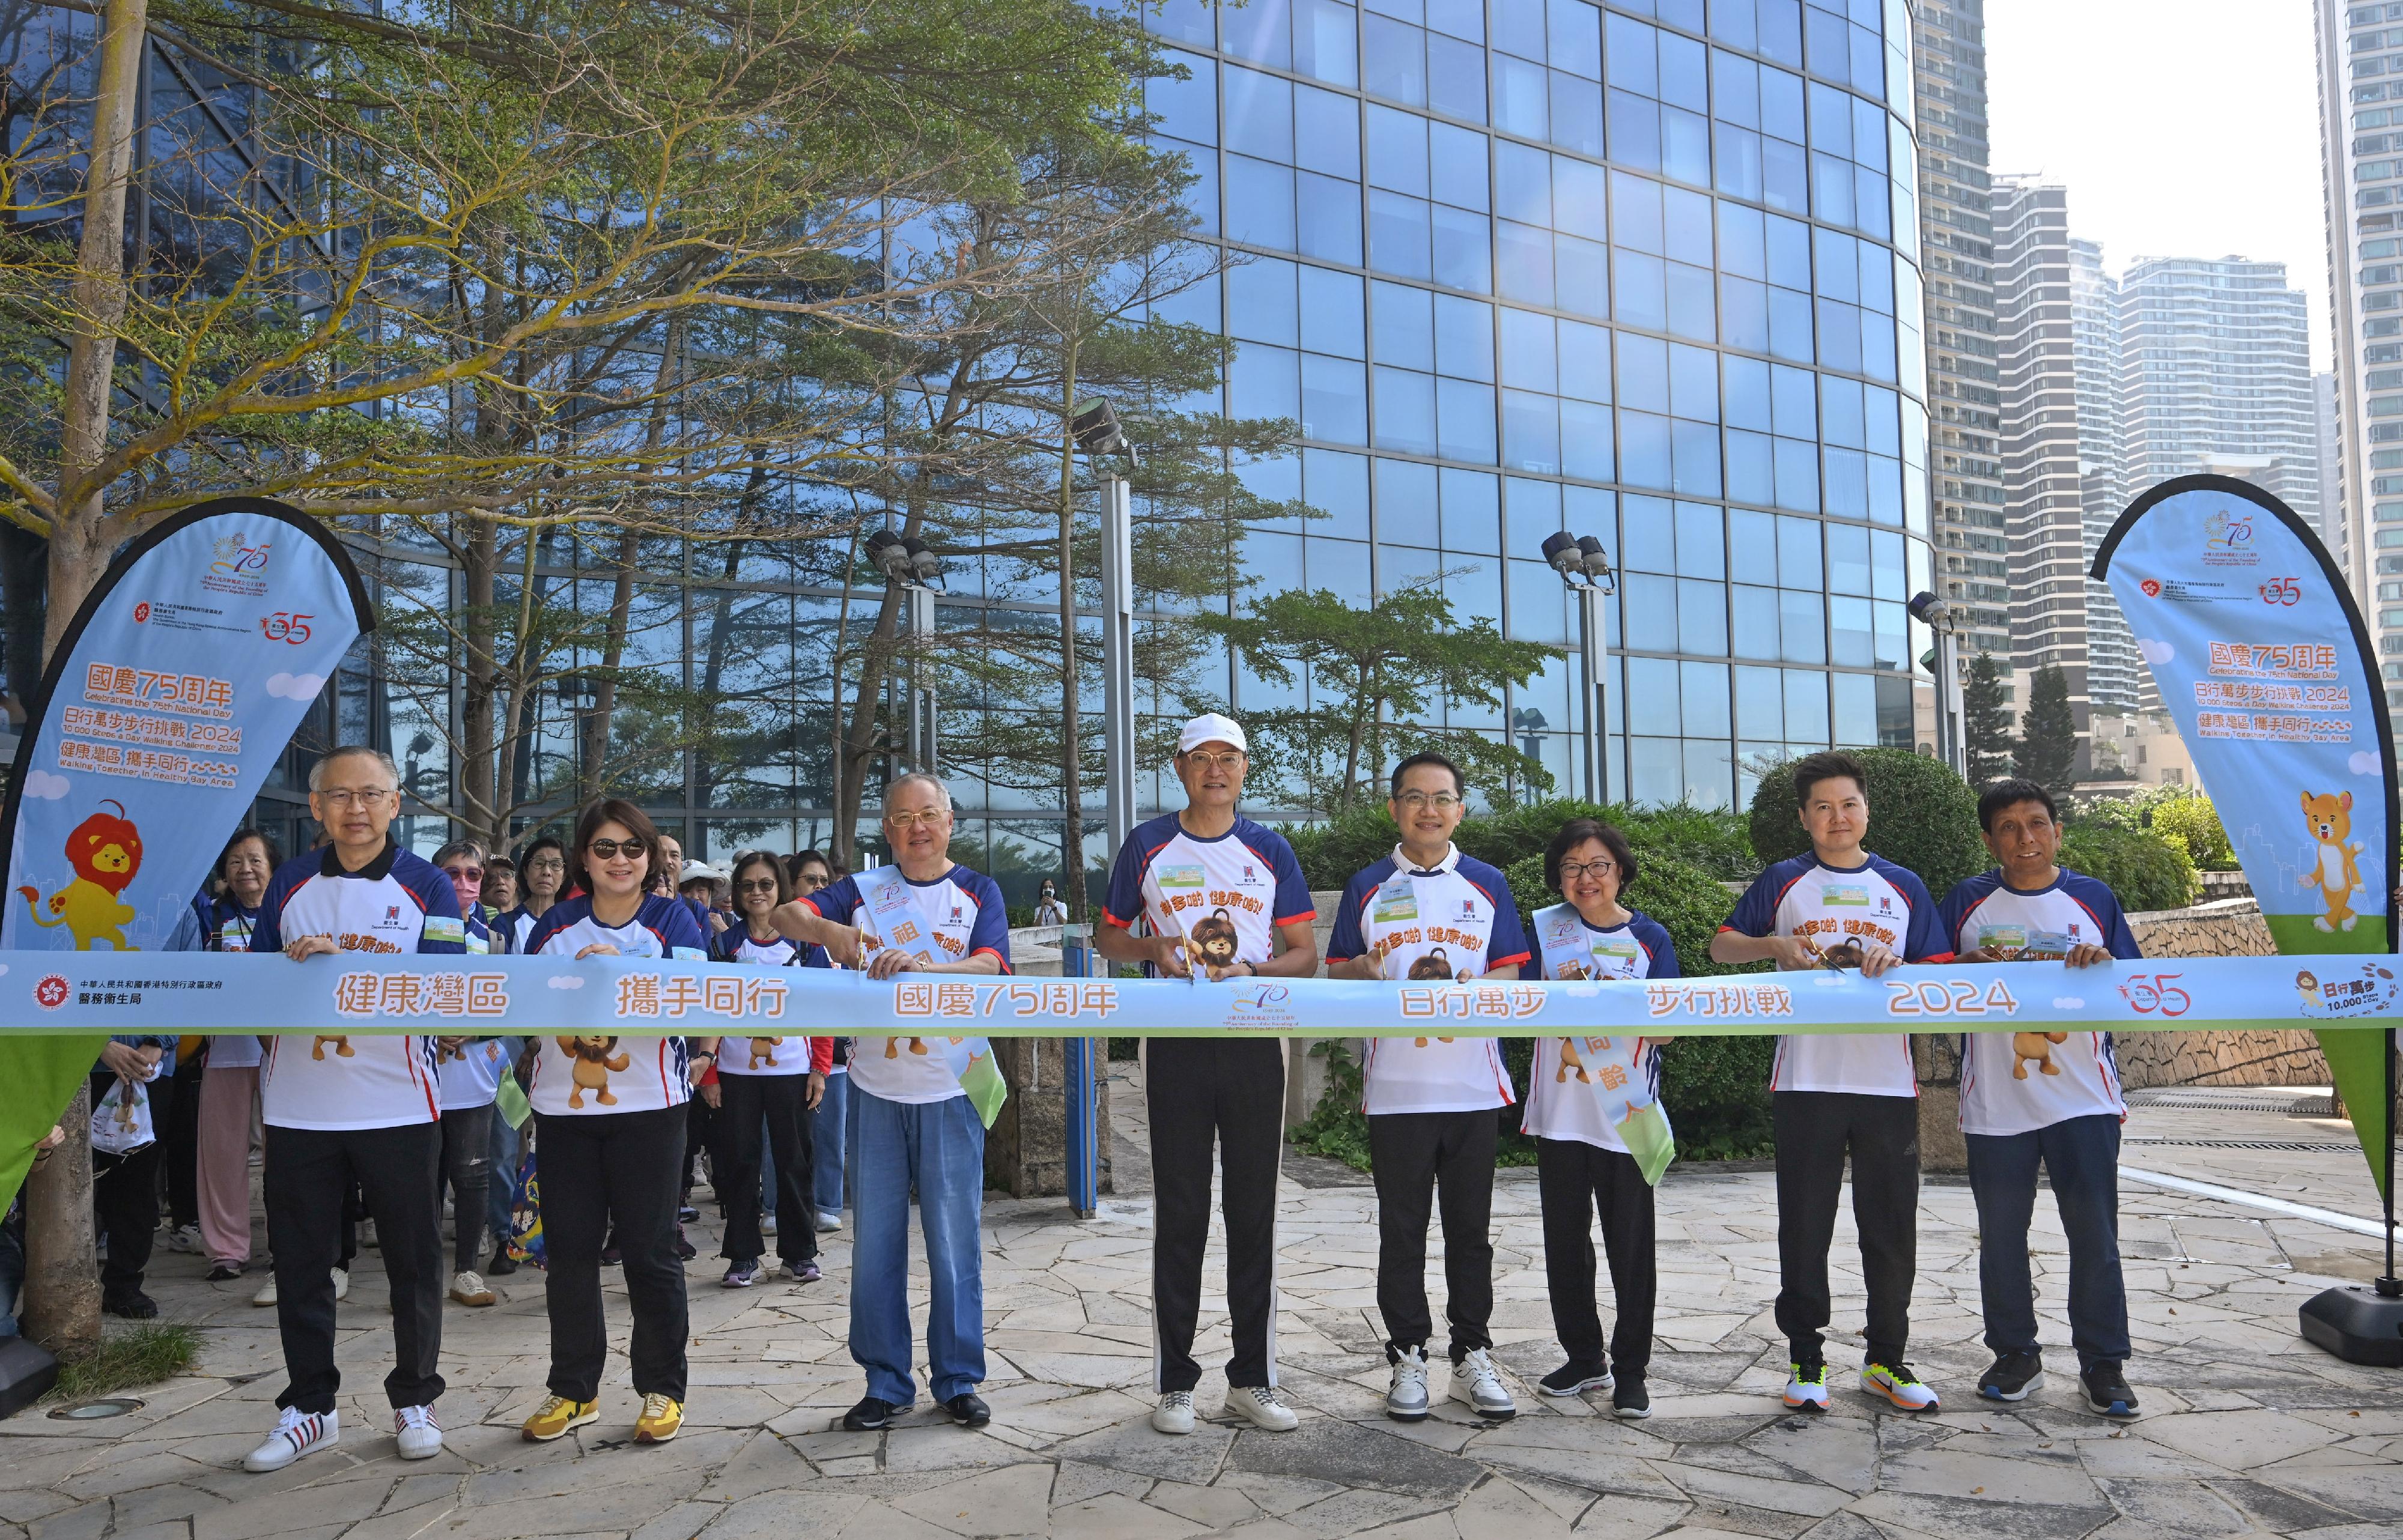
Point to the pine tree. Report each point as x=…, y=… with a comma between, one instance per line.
x=2048, y=750
x=1986, y=722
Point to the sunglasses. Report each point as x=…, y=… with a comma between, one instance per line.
x=465, y=874
x=757, y=884
x=608, y=850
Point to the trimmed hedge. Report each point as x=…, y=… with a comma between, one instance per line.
x=2144, y=870
x=1719, y=842
x=1921, y=817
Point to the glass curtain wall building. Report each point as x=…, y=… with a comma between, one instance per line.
x=1643, y=271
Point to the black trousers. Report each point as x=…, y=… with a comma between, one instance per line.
x=125, y=1206
x=781, y=1102
x=599, y=1170
x=1575, y=1181
x=1201, y=1090
x=179, y=1140
x=1814, y=1131
x=309, y=1175
x=1422, y=1160
x=467, y=1170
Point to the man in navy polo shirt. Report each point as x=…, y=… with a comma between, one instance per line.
x=365, y=1109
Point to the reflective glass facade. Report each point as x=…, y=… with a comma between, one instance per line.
x=1642, y=271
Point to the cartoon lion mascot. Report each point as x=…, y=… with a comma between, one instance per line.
x=589, y=1066
x=106, y=850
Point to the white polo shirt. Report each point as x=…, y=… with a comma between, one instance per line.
x=1431, y=924
x=1829, y=905
x=397, y=903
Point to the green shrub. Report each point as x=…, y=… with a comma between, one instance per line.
x=2188, y=819
x=1921, y=817
x=1332, y=852
x=2144, y=870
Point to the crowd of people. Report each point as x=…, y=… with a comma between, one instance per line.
x=375, y=1128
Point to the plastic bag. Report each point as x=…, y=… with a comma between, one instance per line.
x=121, y=1123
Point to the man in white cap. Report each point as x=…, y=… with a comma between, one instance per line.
x=1212, y=892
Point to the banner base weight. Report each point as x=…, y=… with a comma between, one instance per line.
x=2360, y=1326
x=27, y=1373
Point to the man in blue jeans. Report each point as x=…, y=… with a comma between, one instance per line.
x=2043, y=1097
x=911, y=1122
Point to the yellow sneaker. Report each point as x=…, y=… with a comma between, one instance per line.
x=556, y=1415
x=661, y=1420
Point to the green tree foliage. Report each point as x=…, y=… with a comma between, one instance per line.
x=1986, y=721
x=2146, y=870
x=1921, y=817
x=1372, y=673
x=2181, y=814
x=2048, y=746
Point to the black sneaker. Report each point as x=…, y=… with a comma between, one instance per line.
x=968, y=1410
x=1631, y=1400
x=873, y=1412
x=223, y=1272
x=136, y=1306
x=2013, y=1376
x=500, y=1265
x=611, y=1257
x=685, y=1250
x=2107, y=1392
x=1575, y=1378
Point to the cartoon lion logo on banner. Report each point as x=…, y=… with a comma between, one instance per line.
x=106, y=850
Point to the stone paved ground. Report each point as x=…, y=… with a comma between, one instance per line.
x=2247, y=1429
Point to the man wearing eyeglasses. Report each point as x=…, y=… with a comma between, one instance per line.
x=365, y=1109
x=1428, y=912
x=1218, y=894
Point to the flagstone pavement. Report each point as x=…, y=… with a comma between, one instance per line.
x=2247, y=1429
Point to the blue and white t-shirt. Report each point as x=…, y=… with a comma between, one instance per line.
x=1431, y=924
x=471, y=1076
x=2005, y=1090
x=1561, y=1102
x=573, y=1076
x=1829, y=907
x=762, y=1055
x=1238, y=886
x=228, y=928
x=952, y=918
x=397, y=903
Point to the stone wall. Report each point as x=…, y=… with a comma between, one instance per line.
x=2230, y=927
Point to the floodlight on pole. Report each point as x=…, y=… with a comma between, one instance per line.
x=1097, y=433
x=1584, y=566
x=925, y=563
x=1951, y=737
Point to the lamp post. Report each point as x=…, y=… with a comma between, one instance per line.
x=1938, y=616
x=910, y=566
x=1584, y=567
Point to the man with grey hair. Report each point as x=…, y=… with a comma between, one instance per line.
x=341, y=1110
x=910, y=1121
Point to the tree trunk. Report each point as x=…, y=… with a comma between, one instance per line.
x=1072, y=750
x=479, y=558
x=62, y=1289
x=613, y=654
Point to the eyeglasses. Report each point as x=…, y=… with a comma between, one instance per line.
x=1231, y=760
x=757, y=884
x=465, y=874
x=610, y=850
x=1442, y=801
x=366, y=797
x=1572, y=871
x=546, y=863
x=911, y=819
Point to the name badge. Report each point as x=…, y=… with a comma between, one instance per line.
x=2002, y=937
x=443, y=927
x=1616, y=956
x=1394, y=902
x=1172, y=878
x=1843, y=895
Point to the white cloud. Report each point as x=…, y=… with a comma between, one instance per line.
x=44, y=785
x=565, y=981
x=2154, y=650
x=2068, y=1002
x=296, y=686
x=2363, y=763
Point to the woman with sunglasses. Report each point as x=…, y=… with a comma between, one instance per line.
x=777, y=1082
x=609, y=1122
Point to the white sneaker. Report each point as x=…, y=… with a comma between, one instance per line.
x=341, y=1284
x=186, y=1238
x=420, y=1434
x=767, y=1224
x=266, y=1295
x=1406, y=1396
x=1259, y=1404
x=828, y=1223
x=296, y=1433
x=468, y=1287
x=1477, y=1381
x=1175, y=1414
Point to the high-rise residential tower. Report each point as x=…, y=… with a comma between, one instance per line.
x=2360, y=51
x=1646, y=271
x=1963, y=378
x=2216, y=375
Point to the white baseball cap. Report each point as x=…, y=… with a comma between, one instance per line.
x=1212, y=728
x=695, y=870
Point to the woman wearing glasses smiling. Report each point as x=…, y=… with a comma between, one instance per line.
x=609, y=1124
x=774, y=1081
